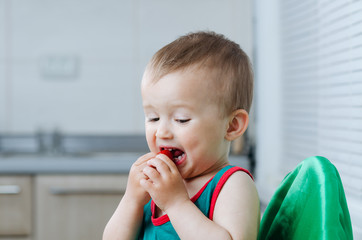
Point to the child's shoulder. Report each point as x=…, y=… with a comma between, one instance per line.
x=237, y=206
x=230, y=170
x=232, y=175
x=240, y=179
x=236, y=180
x=232, y=182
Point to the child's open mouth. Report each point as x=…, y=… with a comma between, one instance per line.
x=177, y=155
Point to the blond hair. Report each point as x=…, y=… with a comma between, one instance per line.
x=233, y=80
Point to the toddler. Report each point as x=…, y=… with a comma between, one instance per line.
x=196, y=93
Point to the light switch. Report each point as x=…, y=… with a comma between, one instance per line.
x=59, y=67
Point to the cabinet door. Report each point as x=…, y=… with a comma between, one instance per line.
x=15, y=206
x=76, y=207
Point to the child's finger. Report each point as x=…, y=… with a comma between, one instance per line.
x=160, y=165
x=143, y=159
x=170, y=164
x=146, y=184
x=151, y=173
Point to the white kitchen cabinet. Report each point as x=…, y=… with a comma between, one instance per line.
x=16, y=207
x=75, y=206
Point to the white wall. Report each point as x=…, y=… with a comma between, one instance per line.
x=309, y=92
x=3, y=74
x=77, y=65
x=268, y=97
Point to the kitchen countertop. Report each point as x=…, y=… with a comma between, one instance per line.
x=94, y=164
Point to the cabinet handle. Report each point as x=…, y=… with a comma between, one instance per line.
x=69, y=191
x=9, y=189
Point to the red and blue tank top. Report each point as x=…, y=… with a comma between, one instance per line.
x=161, y=227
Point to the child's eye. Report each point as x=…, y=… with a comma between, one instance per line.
x=183, y=120
x=153, y=119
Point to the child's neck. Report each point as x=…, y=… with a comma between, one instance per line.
x=194, y=184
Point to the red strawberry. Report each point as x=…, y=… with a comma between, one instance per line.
x=167, y=153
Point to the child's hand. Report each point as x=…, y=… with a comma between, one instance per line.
x=134, y=191
x=165, y=184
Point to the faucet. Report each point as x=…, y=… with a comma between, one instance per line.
x=49, y=143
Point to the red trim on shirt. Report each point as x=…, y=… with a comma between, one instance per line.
x=198, y=194
x=160, y=220
x=220, y=184
x=164, y=218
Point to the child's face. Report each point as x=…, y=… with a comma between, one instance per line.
x=182, y=115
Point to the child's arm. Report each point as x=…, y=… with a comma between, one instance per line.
x=237, y=208
x=127, y=219
x=236, y=214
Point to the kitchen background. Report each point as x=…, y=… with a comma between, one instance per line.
x=76, y=66
x=71, y=119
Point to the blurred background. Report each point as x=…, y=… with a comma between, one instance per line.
x=71, y=119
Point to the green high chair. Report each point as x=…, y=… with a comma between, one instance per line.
x=308, y=204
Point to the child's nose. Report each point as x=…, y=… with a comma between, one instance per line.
x=164, y=131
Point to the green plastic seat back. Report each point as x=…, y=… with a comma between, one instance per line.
x=308, y=204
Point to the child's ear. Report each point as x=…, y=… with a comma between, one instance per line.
x=238, y=122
